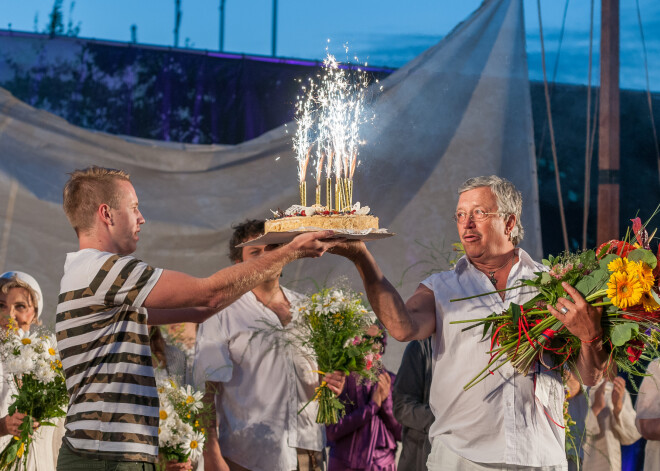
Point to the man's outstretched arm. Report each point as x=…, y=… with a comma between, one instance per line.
x=412, y=320
x=178, y=290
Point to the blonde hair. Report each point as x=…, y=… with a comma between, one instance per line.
x=86, y=190
x=15, y=282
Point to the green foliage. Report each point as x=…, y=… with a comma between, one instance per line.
x=622, y=333
x=643, y=255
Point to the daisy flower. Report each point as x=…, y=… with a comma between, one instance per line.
x=194, y=445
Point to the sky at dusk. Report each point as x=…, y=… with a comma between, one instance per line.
x=380, y=32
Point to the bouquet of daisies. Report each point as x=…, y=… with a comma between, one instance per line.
x=35, y=374
x=180, y=434
x=332, y=324
x=620, y=275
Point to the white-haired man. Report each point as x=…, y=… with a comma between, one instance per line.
x=507, y=421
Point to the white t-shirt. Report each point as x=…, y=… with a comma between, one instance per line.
x=506, y=418
x=266, y=381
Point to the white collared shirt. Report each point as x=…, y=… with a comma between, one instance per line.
x=648, y=407
x=266, y=381
x=506, y=418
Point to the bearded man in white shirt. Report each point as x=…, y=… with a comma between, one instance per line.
x=507, y=421
x=256, y=384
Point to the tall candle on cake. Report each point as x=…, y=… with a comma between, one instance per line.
x=329, y=113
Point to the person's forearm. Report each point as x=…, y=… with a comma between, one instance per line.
x=591, y=362
x=231, y=283
x=352, y=421
x=385, y=300
x=650, y=428
x=412, y=413
x=386, y=415
x=175, y=290
x=213, y=459
x=173, y=316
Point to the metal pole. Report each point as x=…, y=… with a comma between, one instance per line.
x=177, y=21
x=222, y=25
x=274, y=41
x=608, y=126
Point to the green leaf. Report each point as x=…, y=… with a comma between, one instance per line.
x=604, y=250
x=587, y=257
x=621, y=333
x=643, y=255
x=547, y=262
x=594, y=281
x=515, y=312
x=486, y=329
x=546, y=278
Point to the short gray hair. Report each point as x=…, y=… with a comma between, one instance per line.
x=509, y=200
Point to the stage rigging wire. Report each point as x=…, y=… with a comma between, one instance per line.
x=552, y=133
x=589, y=140
x=554, y=78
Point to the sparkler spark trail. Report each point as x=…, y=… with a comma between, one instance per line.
x=329, y=115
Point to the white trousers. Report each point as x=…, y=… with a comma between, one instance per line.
x=443, y=459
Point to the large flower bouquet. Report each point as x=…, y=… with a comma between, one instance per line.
x=620, y=275
x=332, y=323
x=181, y=436
x=35, y=373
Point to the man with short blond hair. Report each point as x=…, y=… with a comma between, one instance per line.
x=107, y=297
x=86, y=190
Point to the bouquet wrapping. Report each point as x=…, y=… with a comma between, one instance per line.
x=35, y=373
x=181, y=436
x=332, y=324
x=621, y=276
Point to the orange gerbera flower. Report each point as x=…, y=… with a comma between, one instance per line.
x=618, y=264
x=624, y=290
x=649, y=303
x=644, y=274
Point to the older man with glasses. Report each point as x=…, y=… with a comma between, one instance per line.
x=509, y=421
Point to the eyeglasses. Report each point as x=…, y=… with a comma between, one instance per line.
x=476, y=215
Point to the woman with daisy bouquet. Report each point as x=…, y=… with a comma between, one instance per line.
x=32, y=392
x=621, y=276
x=332, y=324
x=180, y=434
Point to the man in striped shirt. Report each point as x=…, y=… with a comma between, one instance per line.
x=107, y=297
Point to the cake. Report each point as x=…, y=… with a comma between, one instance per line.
x=357, y=219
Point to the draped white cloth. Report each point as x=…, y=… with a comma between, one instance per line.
x=461, y=109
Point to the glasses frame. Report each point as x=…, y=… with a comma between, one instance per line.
x=470, y=216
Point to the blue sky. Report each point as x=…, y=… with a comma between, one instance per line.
x=382, y=32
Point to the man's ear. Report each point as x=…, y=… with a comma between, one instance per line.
x=105, y=214
x=510, y=223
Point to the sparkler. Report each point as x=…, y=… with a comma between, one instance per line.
x=302, y=142
x=329, y=115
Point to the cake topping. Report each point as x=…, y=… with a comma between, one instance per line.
x=299, y=210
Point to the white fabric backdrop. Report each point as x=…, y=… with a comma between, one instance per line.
x=460, y=109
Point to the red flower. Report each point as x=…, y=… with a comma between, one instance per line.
x=619, y=247
x=302, y=213
x=634, y=350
